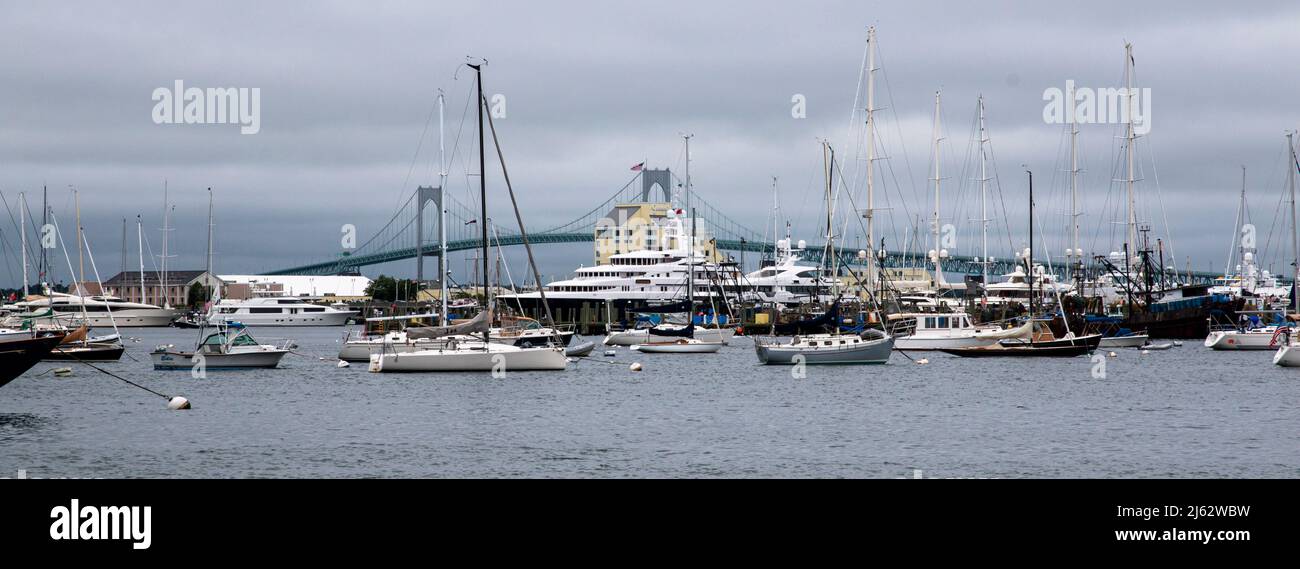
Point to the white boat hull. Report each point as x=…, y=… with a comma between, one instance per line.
x=694, y=347
x=302, y=319
x=1287, y=356
x=497, y=357
x=1242, y=341
x=122, y=318
x=241, y=360
x=922, y=343
x=642, y=336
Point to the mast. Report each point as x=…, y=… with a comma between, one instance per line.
x=139, y=236
x=938, y=267
x=482, y=189
x=44, y=270
x=209, y=262
x=442, y=217
x=1075, y=258
x=1029, y=259
x=690, y=238
x=22, y=213
x=162, y=279
x=123, y=245
x=984, y=205
x=81, y=262
x=1295, y=244
x=871, y=157
x=1130, y=136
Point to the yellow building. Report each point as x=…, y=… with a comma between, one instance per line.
x=640, y=227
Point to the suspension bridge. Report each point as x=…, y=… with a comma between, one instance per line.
x=413, y=230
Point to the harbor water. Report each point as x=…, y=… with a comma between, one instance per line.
x=1183, y=412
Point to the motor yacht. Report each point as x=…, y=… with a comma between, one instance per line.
x=277, y=311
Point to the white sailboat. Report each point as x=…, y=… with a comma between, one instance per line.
x=462, y=351
x=683, y=340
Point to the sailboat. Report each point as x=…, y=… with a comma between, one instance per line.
x=462, y=349
x=1289, y=354
x=870, y=347
x=1041, y=341
x=683, y=340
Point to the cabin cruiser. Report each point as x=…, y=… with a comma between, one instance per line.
x=228, y=346
x=934, y=331
x=100, y=310
x=277, y=311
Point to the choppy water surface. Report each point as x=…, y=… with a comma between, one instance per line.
x=1186, y=412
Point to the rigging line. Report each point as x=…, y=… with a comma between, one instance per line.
x=419, y=144
x=889, y=92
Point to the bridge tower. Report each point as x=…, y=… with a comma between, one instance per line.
x=651, y=178
x=424, y=195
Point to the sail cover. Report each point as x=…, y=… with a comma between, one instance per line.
x=687, y=332
x=479, y=324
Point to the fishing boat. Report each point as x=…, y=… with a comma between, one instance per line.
x=228, y=346
x=19, y=354
x=933, y=331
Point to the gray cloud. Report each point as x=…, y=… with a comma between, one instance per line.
x=592, y=88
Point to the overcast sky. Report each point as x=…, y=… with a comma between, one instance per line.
x=592, y=88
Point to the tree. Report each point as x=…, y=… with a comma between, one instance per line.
x=197, y=295
x=391, y=289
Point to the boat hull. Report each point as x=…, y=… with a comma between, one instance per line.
x=245, y=360
x=637, y=337
x=930, y=344
x=527, y=359
x=1287, y=356
x=304, y=319
x=86, y=353
x=1131, y=341
x=18, y=356
x=1232, y=340
x=679, y=348
x=129, y=318
x=872, y=352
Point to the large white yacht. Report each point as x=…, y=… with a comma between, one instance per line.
x=1016, y=287
x=100, y=310
x=646, y=275
x=785, y=281
x=278, y=311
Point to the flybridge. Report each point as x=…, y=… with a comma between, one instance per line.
x=77, y=522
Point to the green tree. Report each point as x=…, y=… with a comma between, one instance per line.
x=197, y=295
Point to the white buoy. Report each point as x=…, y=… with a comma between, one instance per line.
x=343, y=364
x=178, y=403
x=1177, y=343
x=1145, y=352
x=1112, y=355
x=922, y=361
x=636, y=366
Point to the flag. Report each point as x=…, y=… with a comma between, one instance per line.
x=638, y=167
